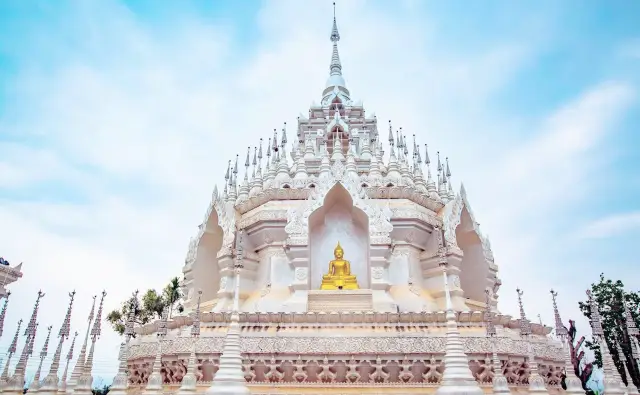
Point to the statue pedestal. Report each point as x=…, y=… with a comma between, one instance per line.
x=340, y=301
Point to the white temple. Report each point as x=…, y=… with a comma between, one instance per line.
x=401, y=308
x=8, y=275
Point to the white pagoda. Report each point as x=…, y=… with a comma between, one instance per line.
x=362, y=272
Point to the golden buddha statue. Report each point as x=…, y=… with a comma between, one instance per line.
x=339, y=276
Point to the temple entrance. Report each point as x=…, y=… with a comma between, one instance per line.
x=338, y=220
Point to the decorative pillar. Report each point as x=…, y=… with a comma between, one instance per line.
x=612, y=384
x=121, y=381
x=229, y=379
x=457, y=378
x=154, y=383
x=572, y=382
x=190, y=381
x=50, y=382
x=536, y=382
x=62, y=387
x=16, y=383
x=12, y=350
x=85, y=381
x=500, y=384
x=77, y=370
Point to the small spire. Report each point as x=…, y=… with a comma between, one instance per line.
x=284, y=136
x=228, y=173
x=525, y=326
x=427, y=161
x=488, y=315
x=448, y=170
x=4, y=312
x=561, y=330
x=390, y=135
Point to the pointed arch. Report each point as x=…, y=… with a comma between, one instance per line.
x=338, y=219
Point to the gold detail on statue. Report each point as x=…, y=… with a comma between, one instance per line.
x=339, y=276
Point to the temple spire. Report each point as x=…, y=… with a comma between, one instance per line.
x=4, y=312
x=536, y=382
x=572, y=382
x=229, y=379
x=336, y=86
x=500, y=384
x=50, y=382
x=120, y=381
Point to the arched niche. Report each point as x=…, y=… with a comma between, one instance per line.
x=339, y=220
x=206, y=273
x=474, y=266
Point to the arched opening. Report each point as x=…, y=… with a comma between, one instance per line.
x=474, y=267
x=338, y=220
x=206, y=273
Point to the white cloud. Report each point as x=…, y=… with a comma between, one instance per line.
x=143, y=123
x=611, y=225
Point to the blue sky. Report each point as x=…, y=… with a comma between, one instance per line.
x=117, y=119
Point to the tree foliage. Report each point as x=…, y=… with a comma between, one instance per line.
x=148, y=307
x=611, y=298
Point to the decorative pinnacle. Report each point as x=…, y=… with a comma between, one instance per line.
x=228, y=173
x=561, y=331
x=247, y=161
x=14, y=343
x=596, y=323
x=427, y=161
x=129, y=325
x=268, y=149
x=30, y=330
x=31, y=339
x=162, y=328
x=448, y=172
x=195, y=328
x=4, y=312
x=632, y=329
x=93, y=308
x=390, y=136
x=65, y=329
x=284, y=136
x=525, y=325
x=488, y=315
x=335, y=36
x=97, y=324
x=73, y=343
x=260, y=150
x=45, y=347
x=235, y=167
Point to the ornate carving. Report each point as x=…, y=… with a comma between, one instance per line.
x=301, y=273
x=377, y=273
x=258, y=342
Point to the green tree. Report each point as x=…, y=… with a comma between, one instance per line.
x=611, y=298
x=148, y=307
x=172, y=294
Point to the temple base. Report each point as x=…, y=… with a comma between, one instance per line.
x=340, y=301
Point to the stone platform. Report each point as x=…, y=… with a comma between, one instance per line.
x=340, y=301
